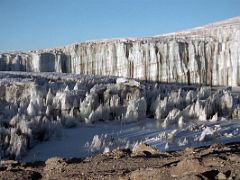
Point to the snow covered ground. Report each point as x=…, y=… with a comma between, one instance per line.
x=54, y=114
x=104, y=136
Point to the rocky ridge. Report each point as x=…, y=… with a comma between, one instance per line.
x=214, y=162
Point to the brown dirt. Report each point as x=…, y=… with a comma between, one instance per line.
x=145, y=162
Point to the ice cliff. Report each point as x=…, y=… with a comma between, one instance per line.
x=205, y=55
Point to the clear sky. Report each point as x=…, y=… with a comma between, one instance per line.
x=34, y=24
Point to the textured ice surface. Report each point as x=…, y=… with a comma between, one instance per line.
x=38, y=107
x=100, y=137
x=206, y=55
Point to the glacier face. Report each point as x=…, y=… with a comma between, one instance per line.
x=205, y=55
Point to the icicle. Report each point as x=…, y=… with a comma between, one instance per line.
x=180, y=122
x=67, y=89
x=215, y=117
x=49, y=97
x=48, y=110
x=166, y=146
x=71, y=113
x=31, y=109
x=76, y=87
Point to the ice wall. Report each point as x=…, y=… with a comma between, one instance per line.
x=205, y=55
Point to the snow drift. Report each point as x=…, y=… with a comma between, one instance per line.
x=35, y=106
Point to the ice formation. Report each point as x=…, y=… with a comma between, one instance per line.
x=206, y=55
x=35, y=106
x=136, y=109
x=105, y=142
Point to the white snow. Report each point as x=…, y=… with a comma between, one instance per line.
x=103, y=137
x=90, y=139
x=37, y=108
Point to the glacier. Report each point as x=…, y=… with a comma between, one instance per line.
x=172, y=91
x=37, y=107
x=207, y=55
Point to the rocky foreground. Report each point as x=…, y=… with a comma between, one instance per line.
x=144, y=162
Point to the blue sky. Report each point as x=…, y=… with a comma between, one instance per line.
x=34, y=24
